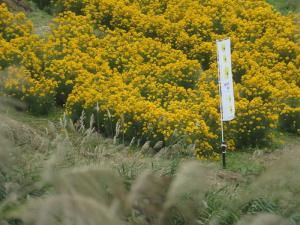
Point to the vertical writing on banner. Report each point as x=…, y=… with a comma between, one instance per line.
x=225, y=79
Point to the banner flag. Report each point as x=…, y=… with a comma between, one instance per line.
x=225, y=79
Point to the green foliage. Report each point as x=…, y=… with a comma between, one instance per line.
x=289, y=120
x=42, y=4
x=286, y=6
x=217, y=208
x=260, y=205
x=244, y=163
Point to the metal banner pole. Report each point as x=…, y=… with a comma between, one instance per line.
x=223, y=143
x=227, y=108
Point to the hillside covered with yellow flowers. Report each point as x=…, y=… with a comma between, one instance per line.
x=149, y=68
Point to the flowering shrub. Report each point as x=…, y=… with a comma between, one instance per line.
x=19, y=47
x=13, y=25
x=290, y=120
x=150, y=67
x=13, y=28
x=254, y=121
x=69, y=5
x=38, y=93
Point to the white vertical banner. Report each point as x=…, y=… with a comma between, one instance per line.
x=225, y=80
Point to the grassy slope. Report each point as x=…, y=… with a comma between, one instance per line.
x=286, y=6
x=248, y=162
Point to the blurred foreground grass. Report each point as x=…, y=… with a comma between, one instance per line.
x=54, y=173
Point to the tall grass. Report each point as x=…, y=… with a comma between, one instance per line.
x=71, y=175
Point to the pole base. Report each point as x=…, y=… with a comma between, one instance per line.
x=224, y=150
x=224, y=160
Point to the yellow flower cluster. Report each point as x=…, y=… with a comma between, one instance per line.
x=38, y=93
x=150, y=66
x=13, y=29
x=13, y=25
x=255, y=119
x=21, y=57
